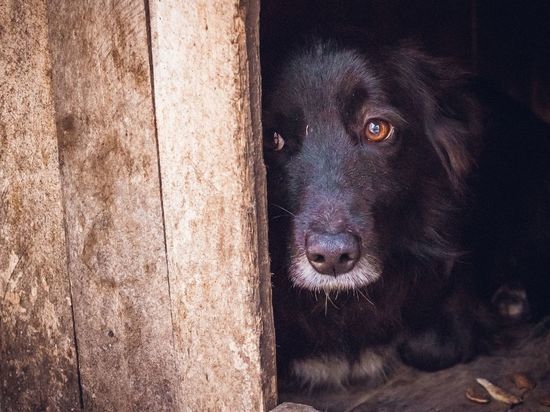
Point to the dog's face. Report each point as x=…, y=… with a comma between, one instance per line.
x=358, y=150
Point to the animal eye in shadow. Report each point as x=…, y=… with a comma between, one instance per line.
x=377, y=130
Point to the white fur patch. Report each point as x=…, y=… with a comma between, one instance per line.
x=337, y=371
x=366, y=271
x=324, y=370
x=371, y=364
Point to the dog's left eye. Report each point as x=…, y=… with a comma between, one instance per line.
x=377, y=130
x=277, y=142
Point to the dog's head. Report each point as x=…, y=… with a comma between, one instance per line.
x=367, y=154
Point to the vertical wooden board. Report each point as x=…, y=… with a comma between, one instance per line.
x=267, y=342
x=206, y=74
x=38, y=368
x=115, y=236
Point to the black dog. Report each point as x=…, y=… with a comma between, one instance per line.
x=402, y=194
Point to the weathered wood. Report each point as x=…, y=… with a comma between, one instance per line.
x=38, y=368
x=206, y=83
x=267, y=337
x=117, y=261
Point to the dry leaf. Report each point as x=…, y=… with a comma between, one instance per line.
x=498, y=393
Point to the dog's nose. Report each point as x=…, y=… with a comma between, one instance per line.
x=332, y=254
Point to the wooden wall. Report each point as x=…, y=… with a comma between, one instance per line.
x=38, y=362
x=133, y=254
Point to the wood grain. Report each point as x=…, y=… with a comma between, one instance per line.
x=109, y=164
x=206, y=81
x=38, y=368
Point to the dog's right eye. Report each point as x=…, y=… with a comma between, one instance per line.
x=277, y=142
x=377, y=130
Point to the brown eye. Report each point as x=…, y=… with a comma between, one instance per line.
x=278, y=142
x=377, y=130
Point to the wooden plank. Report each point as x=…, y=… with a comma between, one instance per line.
x=38, y=365
x=117, y=261
x=267, y=337
x=206, y=81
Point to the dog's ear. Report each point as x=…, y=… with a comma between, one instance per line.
x=451, y=112
x=454, y=125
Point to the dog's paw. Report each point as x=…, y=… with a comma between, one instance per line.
x=440, y=344
x=511, y=303
x=428, y=351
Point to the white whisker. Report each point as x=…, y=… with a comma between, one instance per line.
x=365, y=296
x=279, y=216
x=303, y=275
x=283, y=209
x=330, y=300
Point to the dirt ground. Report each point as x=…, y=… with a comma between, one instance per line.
x=411, y=390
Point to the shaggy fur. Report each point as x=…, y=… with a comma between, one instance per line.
x=450, y=207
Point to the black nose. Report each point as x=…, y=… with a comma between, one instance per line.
x=332, y=254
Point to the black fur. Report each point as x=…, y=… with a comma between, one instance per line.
x=451, y=206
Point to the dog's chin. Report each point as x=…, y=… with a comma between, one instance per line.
x=304, y=276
